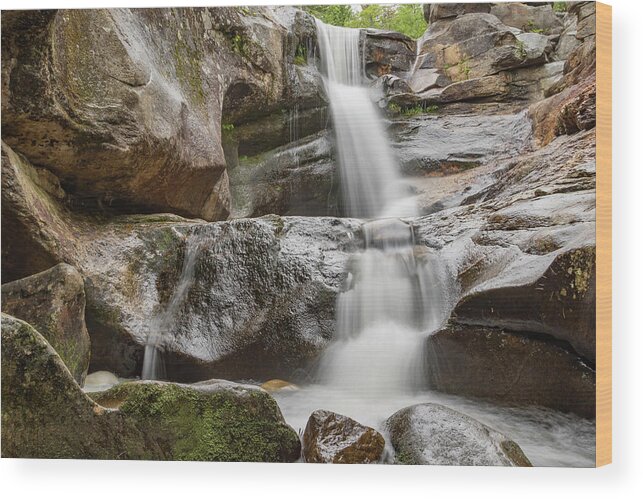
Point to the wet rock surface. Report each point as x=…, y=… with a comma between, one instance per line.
x=210, y=421
x=333, y=438
x=508, y=368
x=434, y=434
x=53, y=302
x=261, y=304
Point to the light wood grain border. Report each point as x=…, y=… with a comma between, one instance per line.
x=603, y=234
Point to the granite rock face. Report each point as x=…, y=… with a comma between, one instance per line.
x=53, y=302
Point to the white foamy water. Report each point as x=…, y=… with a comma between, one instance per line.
x=370, y=179
x=392, y=301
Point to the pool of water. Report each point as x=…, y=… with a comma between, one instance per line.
x=547, y=437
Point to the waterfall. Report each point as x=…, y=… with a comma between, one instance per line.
x=162, y=324
x=371, y=184
x=391, y=300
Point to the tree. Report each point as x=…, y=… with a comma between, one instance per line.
x=404, y=18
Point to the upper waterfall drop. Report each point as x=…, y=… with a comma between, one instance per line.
x=371, y=183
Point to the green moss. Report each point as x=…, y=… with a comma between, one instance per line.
x=207, y=426
x=188, y=63
x=464, y=69
x=521, y=52
x=301, y=55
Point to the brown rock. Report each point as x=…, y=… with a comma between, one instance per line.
x=34, y=222
x=510, y=368
x=53, y=302
x=333, y=438
x=435, y=11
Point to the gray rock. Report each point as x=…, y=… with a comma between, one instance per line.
x=333, y=438
x=479, y=45
x=53, y=302
x=541, y=18
x=448, y=144
x=33, y=213
x=261, y=304
x=387, y=52
x=436, y=435
x=436, y=11
x=297, y=179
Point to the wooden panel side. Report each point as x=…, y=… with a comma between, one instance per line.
x=603, y=234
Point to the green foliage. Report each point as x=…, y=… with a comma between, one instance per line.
x=227, y=127
x=560, y=6
x=464, y=69
x=337, y=15
x=530, y=27
x=409, y=112
x=405, y=18
x=520, y=49
x=301, y=55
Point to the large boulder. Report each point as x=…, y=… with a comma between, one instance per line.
x=333, y=438
x=510, y=368
x=478, y=45
x=53, y=302
x=213, y=420
x=35, y=217
x=45, y=414
x=387, y=52
x=141, y=96
x=559, y=301
x=436, y=435
x=260, y=302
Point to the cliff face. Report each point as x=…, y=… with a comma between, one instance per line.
x=126, y=107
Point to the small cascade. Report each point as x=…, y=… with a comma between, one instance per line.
x=391, y=301
x=383, y=317
x=163, y=323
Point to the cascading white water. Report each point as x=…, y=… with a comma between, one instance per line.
x=161, y=327
x=396, y=294
x=371, y=184
x=383, y=316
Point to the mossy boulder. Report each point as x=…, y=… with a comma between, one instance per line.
x=53, y=302
x=209, y=421
x=332, y=438
x=435, y=434
x=45, y=414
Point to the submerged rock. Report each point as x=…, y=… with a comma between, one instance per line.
x=53, y=302
x=333, y=438
x=434, y=434
x=45, y=414
x=278, y=385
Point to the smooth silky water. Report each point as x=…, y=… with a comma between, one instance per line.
x=392, y=299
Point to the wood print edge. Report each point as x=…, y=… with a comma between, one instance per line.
x=604, y=234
